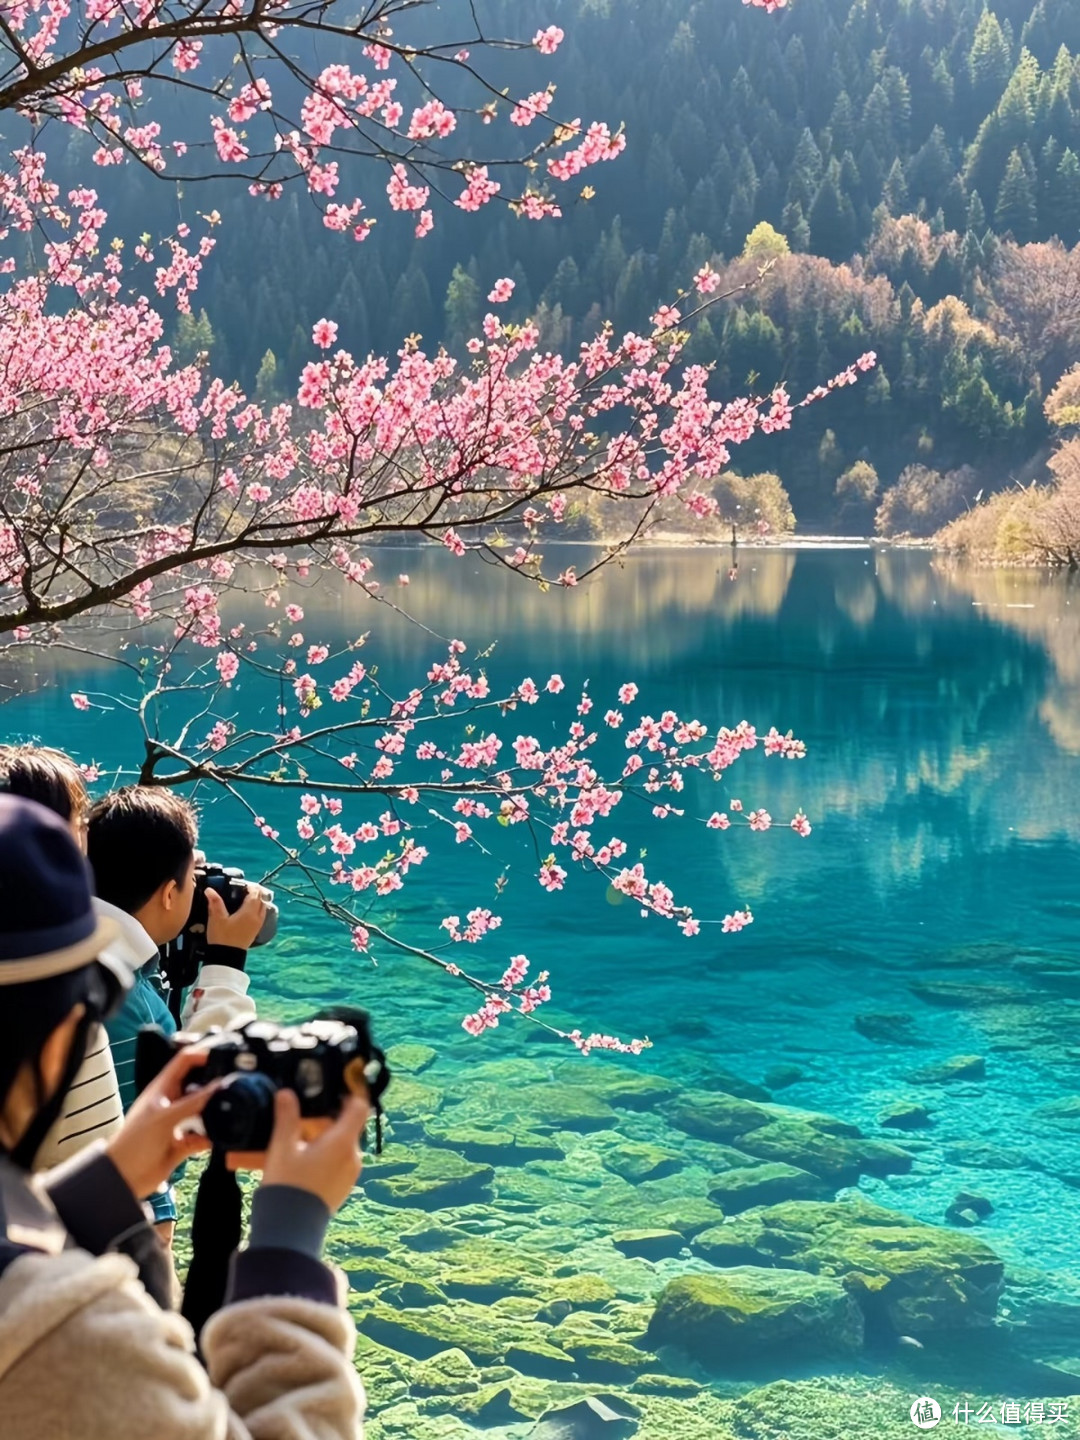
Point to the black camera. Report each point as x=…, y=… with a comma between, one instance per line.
x=323, y=1061
x=181, y=958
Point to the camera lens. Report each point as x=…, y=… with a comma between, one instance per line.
x=240, y=1114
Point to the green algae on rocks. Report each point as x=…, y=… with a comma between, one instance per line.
x=749, y=1312
x=910, y=1278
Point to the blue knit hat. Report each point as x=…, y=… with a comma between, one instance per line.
x=48, y=925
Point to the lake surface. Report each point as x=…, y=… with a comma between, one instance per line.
x=941, y=711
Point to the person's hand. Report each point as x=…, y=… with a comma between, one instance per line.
x=239, y=929
x=328, y=1165
x=147, y=1148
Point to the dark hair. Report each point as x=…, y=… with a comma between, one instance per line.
x=139, y=838
x=38, y=772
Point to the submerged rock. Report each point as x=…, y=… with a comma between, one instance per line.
x=748, y=1313
x=596, y=1417
x=942, y=1072
x=890, y=1028
x=966, y=1203
x=967, y=994
x=643, y=1211
x=439, y=1179
x=450, y=1372
x=981, y=1155
x=845, y=1408
x=781, y=1076
x=910, y=1278
x=648, y=1244
x=744, y=1188
x=410, y=1058
x=905, y=1115
x=552, y=1107
x=634, y=1160
x=619, y=1085
x=1065, y=1112
x=716, y=1117
x=835, y=1158
x=494, y=1146
x=828, y=1148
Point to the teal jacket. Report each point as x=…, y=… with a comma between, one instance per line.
x=144, y=1004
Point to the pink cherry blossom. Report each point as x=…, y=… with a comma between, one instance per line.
x=548, y=41
x=80, y=701
x=324, y=333
x=501, y=291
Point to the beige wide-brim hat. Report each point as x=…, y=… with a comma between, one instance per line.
x=70, y=957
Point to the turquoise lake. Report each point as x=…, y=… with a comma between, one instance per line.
x=933, y=913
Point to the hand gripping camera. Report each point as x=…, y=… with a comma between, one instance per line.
x=181, y=958
x=323, y=1061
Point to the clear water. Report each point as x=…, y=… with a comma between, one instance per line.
x=941, y=710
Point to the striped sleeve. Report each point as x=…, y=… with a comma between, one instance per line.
x=91, y=1109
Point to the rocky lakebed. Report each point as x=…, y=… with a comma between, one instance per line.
x=557, y=1254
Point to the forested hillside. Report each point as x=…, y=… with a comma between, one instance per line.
x=914, y=168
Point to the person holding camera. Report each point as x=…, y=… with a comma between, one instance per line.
x=86, y=1348
x=141, y=843
x=92, y=1108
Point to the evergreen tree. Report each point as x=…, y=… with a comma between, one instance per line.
x=1063, y=200
x=268, y=382
x=194, y=337
x=833, y=230
x=931, y=170
x=1015, y=212
x=895, y=193
x=989, y=63
x=461, y=307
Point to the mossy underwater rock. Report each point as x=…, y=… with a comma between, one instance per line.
x=634, y=1160
x=602, y=1355
x=745, y=1187
x=526, y=1105
x=845, y=1408
x=449, y=1372
x=410, y=1058
x=643, y=1211
x=648, y=1244
x=831, y=1149
x=439, y=1179
x=623, y=1086
x=944, y=1072
x=493, y=1146
x=909, y=1278
x=752, y=1313
x=486, y=1336
x=838, y=1159
x=904, y=1115
x=712, y=1116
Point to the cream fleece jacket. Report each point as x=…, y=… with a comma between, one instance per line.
x=85, y=1354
